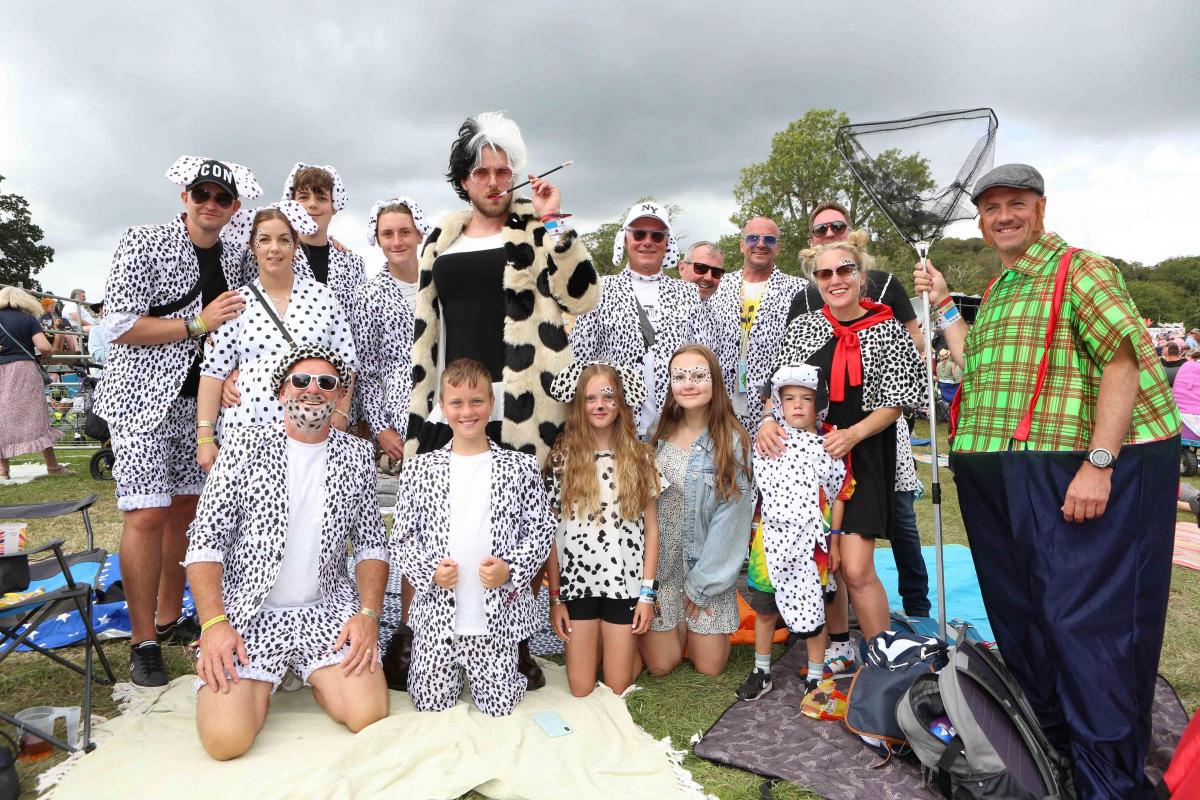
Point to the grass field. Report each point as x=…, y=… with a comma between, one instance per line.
x=678, y=705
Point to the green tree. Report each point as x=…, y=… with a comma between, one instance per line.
x=600, y=241
x=21, y=255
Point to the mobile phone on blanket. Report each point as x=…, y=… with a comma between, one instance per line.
x=550, y=722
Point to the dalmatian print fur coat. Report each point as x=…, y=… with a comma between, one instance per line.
x=613, y=333
x=893, y=372
x=383, y=326
x=154, y=265
x=241, y=520
x=770, y=324
x=522, y=525
x=541, y=282
x=793, y=525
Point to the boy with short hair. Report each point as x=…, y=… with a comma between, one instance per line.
x=793, y=552
x=473, y=525
x=320, y=191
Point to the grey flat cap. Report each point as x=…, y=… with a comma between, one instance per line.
x=1014, y=176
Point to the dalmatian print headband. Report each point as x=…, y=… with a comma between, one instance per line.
x=563, y=387
x=801, y=375
x=184, y=170
x=238, y=230
x=301, y=352
x=339, y=190
x=417, y=214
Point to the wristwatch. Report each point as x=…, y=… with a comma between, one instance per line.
x=1101, y=458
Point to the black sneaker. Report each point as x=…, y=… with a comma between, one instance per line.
x=184, y=630
x=757, y=684
x=146, y=667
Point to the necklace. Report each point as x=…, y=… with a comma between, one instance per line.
x=283, y=299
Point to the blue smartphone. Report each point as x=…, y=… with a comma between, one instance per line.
x=550, y=722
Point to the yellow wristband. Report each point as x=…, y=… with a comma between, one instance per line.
x=205, y=440
x=213, y=621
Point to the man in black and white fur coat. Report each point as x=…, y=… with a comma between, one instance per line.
x=494, y=282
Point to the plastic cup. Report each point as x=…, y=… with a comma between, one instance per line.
x=43, y=719
x=12, y=537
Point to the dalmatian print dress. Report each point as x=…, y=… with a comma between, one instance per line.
x=253, y=344
x=793, y=525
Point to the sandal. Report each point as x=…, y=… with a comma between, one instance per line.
x=59, y=470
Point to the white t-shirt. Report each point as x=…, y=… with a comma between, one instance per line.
x=470, y=537
x=408, y=291
x=296, y=585
x=646, y=291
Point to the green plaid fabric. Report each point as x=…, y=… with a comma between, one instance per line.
x=1005, y=345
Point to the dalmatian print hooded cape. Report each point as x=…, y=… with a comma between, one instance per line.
x=541, y=282
x=154, y=265
x=792, y=523
x=241, y=520
x=770, y=323
x=383, y=328
x=522, y=525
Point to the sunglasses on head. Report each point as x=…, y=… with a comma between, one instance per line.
x=326, y=383
x=836, y=227
x=639, y=234
x=201, y=196
x=843, y=271
x=704, y=269
x=752, y=240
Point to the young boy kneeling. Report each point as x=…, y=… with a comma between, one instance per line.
x=793, y=556
x=473, y=525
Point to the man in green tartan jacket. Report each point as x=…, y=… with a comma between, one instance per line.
x=1067, y=492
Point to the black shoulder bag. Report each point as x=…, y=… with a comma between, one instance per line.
x=46, y=379
x=287, y=337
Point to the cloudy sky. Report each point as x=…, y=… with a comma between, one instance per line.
x=669, y=99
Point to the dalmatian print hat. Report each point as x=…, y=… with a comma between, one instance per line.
x=417, y=214
x=801, y=375
x=301, y=352
x=239, y=227
x=563, y=387
x=339, y=190
x=185, y=168
x=637, y=211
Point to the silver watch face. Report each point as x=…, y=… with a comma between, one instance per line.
x=1100, y=458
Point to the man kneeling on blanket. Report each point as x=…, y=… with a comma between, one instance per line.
x=267, y=564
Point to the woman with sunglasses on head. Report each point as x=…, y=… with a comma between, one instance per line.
x=282, y=311
x=874, y=369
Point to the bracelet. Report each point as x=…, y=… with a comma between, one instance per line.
x=836, y=532
x=205, y=440
x=205, y=423
x=648, y=599
x=555, y=592
x=554, y=601
x=369, y=612
x=946, y=301
x=948, y=318
x=345, y=416
x=648, y=592
x=213, y=621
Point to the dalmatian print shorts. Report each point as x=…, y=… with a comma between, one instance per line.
x=151, y=467
x=435, y=677
x=299, y=639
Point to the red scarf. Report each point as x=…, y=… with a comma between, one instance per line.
x=847, y=356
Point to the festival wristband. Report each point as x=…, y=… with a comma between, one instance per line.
x=213, y=621
x=205, y=440
x=946, y=301
x=204, y=423
x=555, y=592
x=554, y=601
x=836, y=532
x=949, y=317
x=648, y=599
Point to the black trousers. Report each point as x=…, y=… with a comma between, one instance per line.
x=1078, y=609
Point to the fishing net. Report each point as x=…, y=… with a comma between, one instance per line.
x=920, y=170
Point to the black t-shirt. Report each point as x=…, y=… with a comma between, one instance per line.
x=318, y=259
x=470, y=289
x=212, y=277
x=21, y=328
x=882, y=287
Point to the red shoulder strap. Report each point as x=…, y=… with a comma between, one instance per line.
x=1021, y=434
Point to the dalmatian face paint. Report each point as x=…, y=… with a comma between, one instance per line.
x=696, y=375
x=309, y=412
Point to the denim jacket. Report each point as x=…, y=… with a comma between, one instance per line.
x=715, y=534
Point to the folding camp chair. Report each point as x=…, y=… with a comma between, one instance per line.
x=68, y=582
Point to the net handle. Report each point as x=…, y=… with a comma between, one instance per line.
x=935, y=488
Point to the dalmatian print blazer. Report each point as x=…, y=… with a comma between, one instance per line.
x=241, y=520
x=383, y=325
x=347, y=272
x=893, y=371
x=770, y=323
x=613, y=332
x=541, y=282
x=154, y=265
x=522, y=526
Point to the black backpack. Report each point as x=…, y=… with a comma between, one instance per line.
x=995, y=748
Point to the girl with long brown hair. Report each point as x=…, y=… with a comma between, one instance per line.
x=603, y=483
x=704, y=517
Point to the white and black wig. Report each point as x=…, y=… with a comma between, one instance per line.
x=489, y=129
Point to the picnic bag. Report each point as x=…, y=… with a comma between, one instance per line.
x=976, y=735
x=894, y=660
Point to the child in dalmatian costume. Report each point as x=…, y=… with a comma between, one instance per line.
x=170, y=285
x=796, y=489
x=473, y=526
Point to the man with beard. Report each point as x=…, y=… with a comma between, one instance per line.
x=704, y=265
x=267, y=565
x=169, y=286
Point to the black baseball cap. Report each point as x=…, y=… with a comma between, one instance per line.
x=213, y=171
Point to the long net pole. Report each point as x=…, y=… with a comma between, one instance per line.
x=935, y=489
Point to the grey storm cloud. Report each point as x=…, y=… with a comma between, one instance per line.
x=669, y=99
